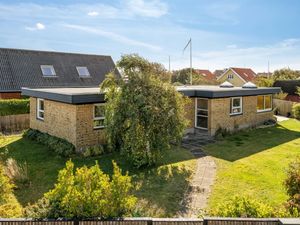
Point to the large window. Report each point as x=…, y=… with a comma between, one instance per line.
x=83, y=71
x=48, y=70
x=40, y=109
x=264, y=103
x=230, y=76
x=236, y=106
x=201, y=113
x=99, y=116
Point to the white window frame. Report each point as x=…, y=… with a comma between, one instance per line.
x=196, y=111
x=79, y=67
x=38, y=110
x=51, y=67
x=268, y=109
x=236, y=107
x=98, y=118
x=230, y=76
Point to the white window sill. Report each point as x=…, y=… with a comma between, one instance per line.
x=236, y=114
x=265, y=110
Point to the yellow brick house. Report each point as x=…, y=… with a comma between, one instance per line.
x=237, y=76
x=77, y=114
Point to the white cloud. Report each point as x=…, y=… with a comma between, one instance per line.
x=93, y=13
x=280, y=54
x=151, y=8
x=38, y=26
x=113, y=36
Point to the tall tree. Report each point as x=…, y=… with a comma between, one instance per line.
x=286, y=74
x=143, y=114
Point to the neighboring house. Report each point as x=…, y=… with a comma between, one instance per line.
x=218, y=73
x=289, y=87
x=237, y=76
x=37, y=69
x=77, y=114
x=206, y=74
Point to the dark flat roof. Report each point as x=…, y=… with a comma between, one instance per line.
x=76, y=95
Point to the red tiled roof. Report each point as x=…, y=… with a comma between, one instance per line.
x=246, y=73
x=293, y=98
x=206, y=74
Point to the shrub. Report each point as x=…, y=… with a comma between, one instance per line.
x=281, y=95
x=9, y=206
x=58, y=145
x=296, y=111
x=292, y=184
x=94, y=151
x=242, y=207
x=14, y=106
x=16, y=171
x=86, y=193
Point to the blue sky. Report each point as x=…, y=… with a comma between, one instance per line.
x=241, y=33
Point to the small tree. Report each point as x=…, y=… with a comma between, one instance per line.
x=86, y=193
x=296, y=111
x=143, y=114
x=286, y=74
x=9, y=206
x=292, y=184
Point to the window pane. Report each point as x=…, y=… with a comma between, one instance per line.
x=260, y=102
x=48, y=70
x=236, y=102
x=202, y=104
x=202, y=112
x=202, y=122
x=83, y=71
x=236, y=110
x=41, y=104
x=99, y=123
x=268, y=103
x=99, y=111
x=41, y=114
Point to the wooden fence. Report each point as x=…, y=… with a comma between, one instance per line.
x=283, y=107
x=14, y=123
x=155, y=221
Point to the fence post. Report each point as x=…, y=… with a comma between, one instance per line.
x=75, y=222
x=149, y=222
x=205, y=221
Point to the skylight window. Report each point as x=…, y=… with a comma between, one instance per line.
x=83, y=71
x=48, y=70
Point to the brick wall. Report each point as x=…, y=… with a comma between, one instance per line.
x=71, y=122
x=86, y=135
x=220, y=115
x=10, y=95
x=59, y=119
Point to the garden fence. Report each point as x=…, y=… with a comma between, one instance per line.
x=14, y=123
x=283, y=107
x=155, y=221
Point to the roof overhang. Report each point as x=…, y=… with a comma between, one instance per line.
x=63, y=95
x=228, y=92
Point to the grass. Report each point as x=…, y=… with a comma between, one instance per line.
x=159, y=189
x=254, y=162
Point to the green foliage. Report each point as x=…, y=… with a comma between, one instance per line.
x=286, y=74
x=9, y=206
x=135, y=63
x=245, y=207
x=58, y=145
x=281, y=95
x=264, y=81
x=86, y=193
x=14, y=106
x=298, y=91
x=183, y=76
x=143, y=115
x=94, y=151
x=296, y=111
x=17, y=172
x=292, y=184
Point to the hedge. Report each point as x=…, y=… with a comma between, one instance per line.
x=14, y=106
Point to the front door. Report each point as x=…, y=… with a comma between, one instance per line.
x=201, y=120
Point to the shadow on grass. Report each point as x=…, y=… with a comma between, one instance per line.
x=246, y=143
x=162, y=185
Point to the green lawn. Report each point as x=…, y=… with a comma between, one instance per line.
x=159, y=189
x=254, y=162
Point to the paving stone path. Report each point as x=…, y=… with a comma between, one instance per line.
x=198, y=193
